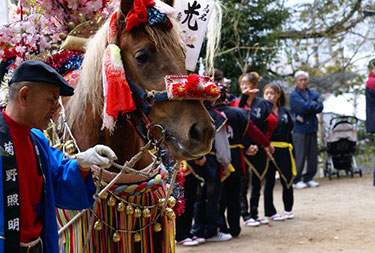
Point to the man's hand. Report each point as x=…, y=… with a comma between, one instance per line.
x=201, y=161
x=270, y=149
x=252, y=150
x=99, y=155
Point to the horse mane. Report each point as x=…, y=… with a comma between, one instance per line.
x=89, y=89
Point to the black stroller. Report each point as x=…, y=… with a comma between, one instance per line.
x=341, y=147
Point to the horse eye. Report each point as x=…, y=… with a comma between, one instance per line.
x=142, y=57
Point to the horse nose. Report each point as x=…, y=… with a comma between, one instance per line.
x=200, y=133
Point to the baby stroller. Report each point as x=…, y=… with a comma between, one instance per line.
x=341, y=147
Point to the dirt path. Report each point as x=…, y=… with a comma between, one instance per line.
x=338, y=216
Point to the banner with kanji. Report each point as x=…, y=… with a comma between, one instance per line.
x=193, y=16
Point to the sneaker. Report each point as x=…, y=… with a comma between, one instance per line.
x=277, y=217
x=220, y=237
x=312, y=183
x=187, y=242
x=262, y=221
x=300, y=185
x=288, y=215
x=252, y=223
x=200, y=240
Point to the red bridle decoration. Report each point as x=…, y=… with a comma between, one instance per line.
x=192, y=86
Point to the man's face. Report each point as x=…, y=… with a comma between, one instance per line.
x=302, y=81
x=42, y=105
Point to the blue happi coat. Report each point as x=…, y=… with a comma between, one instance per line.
x=64, y=188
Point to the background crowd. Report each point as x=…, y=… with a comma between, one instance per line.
x=257, y=139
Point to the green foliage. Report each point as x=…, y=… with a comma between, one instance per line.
x=248, y=25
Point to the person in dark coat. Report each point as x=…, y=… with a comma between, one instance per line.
x=257, y=165
x=281, y=139
x=239, y=124
x=305, y=103
x=370, y=98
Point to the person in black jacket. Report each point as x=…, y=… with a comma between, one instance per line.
x=239, y=124
x=281, y=139
x=260, y=110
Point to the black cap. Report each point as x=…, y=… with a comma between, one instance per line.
x=36, y=71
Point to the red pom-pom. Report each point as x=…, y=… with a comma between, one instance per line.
x=192, y=81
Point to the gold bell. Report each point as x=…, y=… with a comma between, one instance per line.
x=116, y=237
x=129, y=210
x=161, y=202
x=111, y=201
x=71, y=25
x=171, y=201
x=81, y=18
x=62, y=36
x=137, y=237
x=146, y=213
x=137, y=213
x=98, y=225
x=170, y=214
x=104, y=195
x=120, y=206
x=157, y=227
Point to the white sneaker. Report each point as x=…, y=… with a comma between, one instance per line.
x=288, y=215
x=252, y=223
x=312, y=183
x=277, y=217
x=187, y=242
x=200, y=240
x=262, y=221
x=300, y=185
x=220, y=237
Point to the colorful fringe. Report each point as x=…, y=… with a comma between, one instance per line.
x=73, y=239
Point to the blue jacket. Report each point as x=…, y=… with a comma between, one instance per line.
x=305, y=109
x=64, y=188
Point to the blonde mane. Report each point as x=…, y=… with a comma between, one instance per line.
x=89, y=89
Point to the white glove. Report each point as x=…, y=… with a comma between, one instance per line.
x=99, y=155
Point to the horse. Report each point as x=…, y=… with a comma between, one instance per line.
x=149, y=53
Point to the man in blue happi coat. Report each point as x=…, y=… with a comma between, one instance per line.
x=34, y=177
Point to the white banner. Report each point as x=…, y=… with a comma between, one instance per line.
x=4, y=12
x=193, y=16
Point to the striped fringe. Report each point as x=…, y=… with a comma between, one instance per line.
x=73, y=239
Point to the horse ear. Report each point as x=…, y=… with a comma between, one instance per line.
x=169, y=2
x=126, y=6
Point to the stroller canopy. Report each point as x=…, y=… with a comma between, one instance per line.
x=343, y=131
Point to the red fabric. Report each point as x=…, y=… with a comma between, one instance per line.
x=84, y=174
x=119, y=96
x=112, y=28
x=371, y=81
x=138, y=14
x=30, y=183
x=272, y=122
x=257, y=135
x=236, y=103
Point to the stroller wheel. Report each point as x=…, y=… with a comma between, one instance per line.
x=360, y=172
x=351, y=173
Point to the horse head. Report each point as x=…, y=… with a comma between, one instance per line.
x=149, y=53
